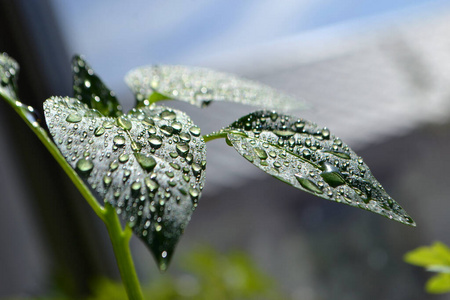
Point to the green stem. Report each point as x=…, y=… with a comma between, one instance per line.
x=215, y=135
x=120, y=240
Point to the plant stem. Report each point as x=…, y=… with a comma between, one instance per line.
x=214, y=135
x=120, y=240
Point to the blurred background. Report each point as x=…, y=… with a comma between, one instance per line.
x=376, y=73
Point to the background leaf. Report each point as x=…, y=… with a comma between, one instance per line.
x=89, y=89
x=438, y=284
x=148, y=164
x=310, y=158
x=200, y=86
x=436, y=254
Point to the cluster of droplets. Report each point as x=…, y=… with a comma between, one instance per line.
x=200, y=86
x=149, y=164
x=308, y=157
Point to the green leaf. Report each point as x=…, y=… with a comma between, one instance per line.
x=435, y=255
x=438, y=284
x=200, y=86
x=310, y=158
x=89, y=89
x=149, y=164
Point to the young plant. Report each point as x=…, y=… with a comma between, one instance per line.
x=434, y=258
x=148, y=165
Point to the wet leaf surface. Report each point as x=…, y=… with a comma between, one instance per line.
x=310, y=158
x=149, y=164
x=200, y=86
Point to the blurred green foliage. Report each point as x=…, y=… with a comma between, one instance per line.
x=435, y=258
x=206, y=275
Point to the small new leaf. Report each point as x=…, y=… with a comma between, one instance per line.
x=148, y=164
x=89, y=89
x=200, y=86
x=310, y=158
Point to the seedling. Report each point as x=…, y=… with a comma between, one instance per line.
x=148, y=165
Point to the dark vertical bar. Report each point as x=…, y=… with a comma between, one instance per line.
x=29, y=33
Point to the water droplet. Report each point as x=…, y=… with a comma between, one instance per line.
x=182, y=149
x=123, y=122
x=136, y=146
x=196, y=168
x=124, y=157
x=147, y=162
x=261, y=153
x=170, y=174
x=99, y=131
x=184, y=136
x=248, y=157
x=168, y=115
x=108, y=124
x=119, y=140
x=194, y=193
x=107, y=180
x=74, y=118
x=308, y=184
x=167, y=130
x=114, y=165
x=136, y=187
x=175, y=166
x=155, y=141
x=195, y=131
x=177, y=126
x=284, y=133
x=325, y=133
x=85, y=165
x=331, y=175
x=151, y=184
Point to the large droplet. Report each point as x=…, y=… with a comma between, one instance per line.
x=331, y=175
x=195, y=131
x=74, y=118
x=123, y=122
x=167, y=130
x=147, y=162
x=155, y=141
x=261, y=153
x=119, y=140
x=84, y=166
x=182, y=149
x=99, y=131
x=308, y=184
x=284, y=133
x=151, y=184
x=168, y=115
x=124, y=157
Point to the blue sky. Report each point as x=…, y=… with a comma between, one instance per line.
x=116, y=35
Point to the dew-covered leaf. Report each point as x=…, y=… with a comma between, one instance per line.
x=200, y=86
x=310, y=158
x=149, y=164
x=89, y=89
x=9, y=70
